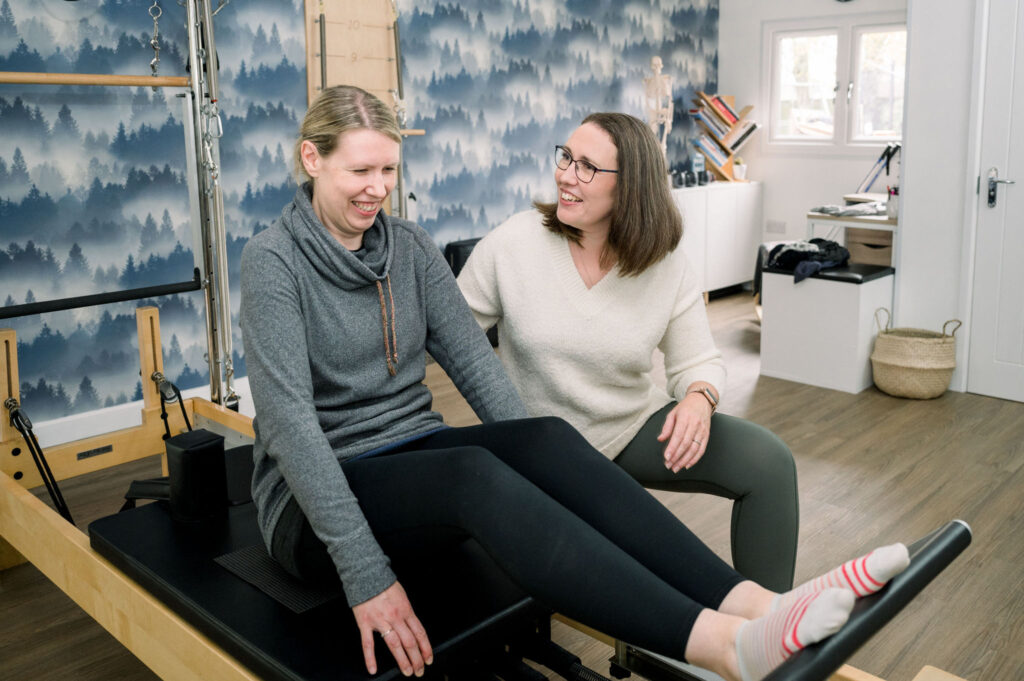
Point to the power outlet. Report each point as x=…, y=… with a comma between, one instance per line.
x=776, y=227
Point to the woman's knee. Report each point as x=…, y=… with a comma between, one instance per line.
x=766, y=455
x=554, y=431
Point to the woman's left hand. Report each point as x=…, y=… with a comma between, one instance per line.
x=686, y=428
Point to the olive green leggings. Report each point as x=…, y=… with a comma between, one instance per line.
x=743, y=462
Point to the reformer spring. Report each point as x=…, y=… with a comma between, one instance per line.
x=169, y=394
x=24, y=426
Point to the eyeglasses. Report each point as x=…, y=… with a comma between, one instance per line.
x=585, y=170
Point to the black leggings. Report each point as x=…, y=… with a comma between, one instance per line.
x=563, y=522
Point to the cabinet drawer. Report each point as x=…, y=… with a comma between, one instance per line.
x=875, y=237
x=869, y=246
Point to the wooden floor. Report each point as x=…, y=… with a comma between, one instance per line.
x=873, y=469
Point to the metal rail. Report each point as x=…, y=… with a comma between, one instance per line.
x=75, y=302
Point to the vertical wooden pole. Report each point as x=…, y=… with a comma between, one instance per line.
x=147, y=321
x=151, y=359
x=8, y=434
x=8, y=381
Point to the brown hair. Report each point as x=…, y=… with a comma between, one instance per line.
x=337, y=110
x=646, y=225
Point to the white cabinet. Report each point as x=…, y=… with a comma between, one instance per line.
x=693, y=205
x=721, y=230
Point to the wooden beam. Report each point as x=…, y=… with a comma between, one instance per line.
x=9, y=557
x=164, y=642
x=28, y=78
x=848, y=673
x=583, y=628
x=215, y=412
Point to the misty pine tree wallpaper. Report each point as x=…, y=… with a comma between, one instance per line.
x=496, y=85
x=93, y=193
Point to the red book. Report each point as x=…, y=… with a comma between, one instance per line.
x=719, y=100
x=720, y=106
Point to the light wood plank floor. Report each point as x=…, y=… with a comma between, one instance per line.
x=873, y=469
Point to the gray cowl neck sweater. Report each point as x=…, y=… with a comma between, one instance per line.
x=314, y=317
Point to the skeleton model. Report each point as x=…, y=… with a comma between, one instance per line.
x=658, y=102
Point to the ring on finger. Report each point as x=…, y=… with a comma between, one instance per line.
x=386, y=633
x=696, y=440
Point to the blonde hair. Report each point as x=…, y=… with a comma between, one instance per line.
x=337, y=110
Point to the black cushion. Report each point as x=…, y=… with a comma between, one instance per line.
x=464, y=601
x=854, y=273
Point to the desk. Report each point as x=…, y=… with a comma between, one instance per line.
x=880, y=222
x=865, y=247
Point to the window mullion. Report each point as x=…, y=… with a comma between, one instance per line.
x=843, y=131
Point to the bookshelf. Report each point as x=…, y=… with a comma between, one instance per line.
x=724, y=131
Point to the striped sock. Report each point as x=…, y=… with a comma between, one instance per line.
x=863, y=576
x=765, y=643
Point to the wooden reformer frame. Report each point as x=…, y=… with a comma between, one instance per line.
x=31, y=530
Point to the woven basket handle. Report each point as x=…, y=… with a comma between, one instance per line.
x=955, y=328
x=888, y=319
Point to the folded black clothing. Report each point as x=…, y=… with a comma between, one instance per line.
x=804, y=258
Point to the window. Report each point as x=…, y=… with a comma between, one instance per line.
x=835, y=84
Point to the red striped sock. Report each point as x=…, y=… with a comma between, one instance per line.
x=765, y=643
x=863, y=576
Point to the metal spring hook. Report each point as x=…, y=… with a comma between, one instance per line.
x=156, y=13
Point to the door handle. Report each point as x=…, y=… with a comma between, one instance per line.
x=993, y=183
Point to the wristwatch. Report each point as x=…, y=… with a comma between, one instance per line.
x=706, y=392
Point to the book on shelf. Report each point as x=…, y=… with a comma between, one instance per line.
x=739, y=134
x=722, y=130
x=717, y=99
x=743, y=137
x=711, y=150
x=708, y=122
x=727, y=114
x=708, y=103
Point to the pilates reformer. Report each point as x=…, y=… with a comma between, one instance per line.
x=159, y=587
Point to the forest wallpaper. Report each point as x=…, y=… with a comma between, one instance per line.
x=93, y=193
x=496, y=85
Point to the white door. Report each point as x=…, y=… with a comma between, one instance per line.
x=996, y=362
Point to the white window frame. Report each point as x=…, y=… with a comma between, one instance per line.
x=847, y=29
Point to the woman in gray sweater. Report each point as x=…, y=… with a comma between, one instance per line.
x=340, y=303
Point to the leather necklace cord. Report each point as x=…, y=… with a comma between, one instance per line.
x=390, y=343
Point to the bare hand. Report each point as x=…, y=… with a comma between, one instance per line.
x=686, y=428
x=390, y=614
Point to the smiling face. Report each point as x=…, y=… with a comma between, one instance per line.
x=351, y=183
x=588, y=206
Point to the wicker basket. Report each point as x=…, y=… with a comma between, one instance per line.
x=913, y=363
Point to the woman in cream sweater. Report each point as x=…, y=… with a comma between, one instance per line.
x=583, y=290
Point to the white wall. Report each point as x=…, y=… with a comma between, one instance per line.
x=792, y=184
x=937, y=182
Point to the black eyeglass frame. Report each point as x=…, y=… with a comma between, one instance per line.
x=559, y=149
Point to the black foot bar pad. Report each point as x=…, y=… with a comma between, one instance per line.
x=928, y=557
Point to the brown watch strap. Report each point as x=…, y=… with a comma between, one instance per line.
x=709, y=396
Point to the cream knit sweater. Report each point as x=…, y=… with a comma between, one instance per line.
x=585, y=354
